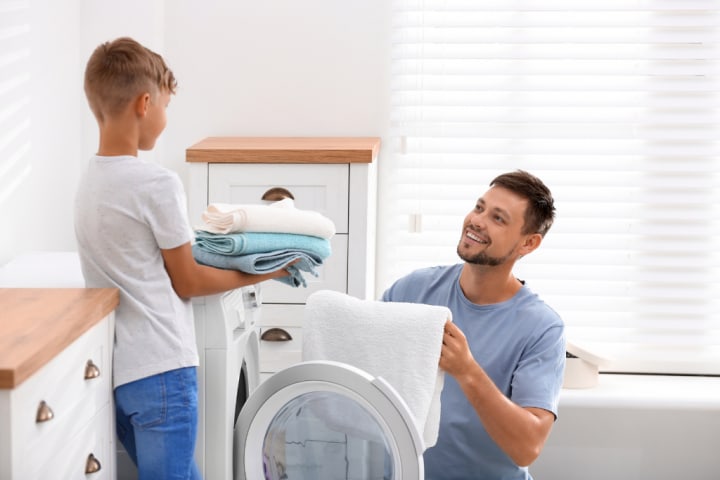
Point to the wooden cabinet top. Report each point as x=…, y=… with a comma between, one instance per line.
x=36, y=324
x=284, y=150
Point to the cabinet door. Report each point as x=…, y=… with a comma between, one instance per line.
x=71, y=388
x=318, y=187
x=86, y=456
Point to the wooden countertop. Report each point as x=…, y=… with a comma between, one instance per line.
x=284, y=150
x=38, y=323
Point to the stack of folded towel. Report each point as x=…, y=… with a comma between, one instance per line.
x=264, y=238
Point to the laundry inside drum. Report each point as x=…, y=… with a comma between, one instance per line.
x=326, y=435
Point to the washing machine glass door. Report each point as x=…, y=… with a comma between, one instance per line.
x=326, y=420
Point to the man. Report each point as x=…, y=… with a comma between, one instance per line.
x=504, y=351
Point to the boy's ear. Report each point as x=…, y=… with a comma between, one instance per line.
x=141, y=104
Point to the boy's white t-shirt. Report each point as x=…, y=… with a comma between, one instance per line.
x=127, y=210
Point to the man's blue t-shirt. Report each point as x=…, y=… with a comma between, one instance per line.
x=520, y=343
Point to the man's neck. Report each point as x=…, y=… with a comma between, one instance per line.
x=484, y=285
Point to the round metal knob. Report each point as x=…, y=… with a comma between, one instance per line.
x=91, y=370
x=276, y=335
x=92, y=465
x=44, y=413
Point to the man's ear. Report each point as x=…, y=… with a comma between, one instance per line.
x=141, y=104
x=530, y=243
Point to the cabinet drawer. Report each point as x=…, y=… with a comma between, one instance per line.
x=332, y=275
x=68, y=460
x=275, y=356
x=62, y=385
x=318, y=187
x=278, y=315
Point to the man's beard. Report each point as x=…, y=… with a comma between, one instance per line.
x=483, y=258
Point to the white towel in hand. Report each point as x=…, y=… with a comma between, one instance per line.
x=399, y=342
x=278, y=217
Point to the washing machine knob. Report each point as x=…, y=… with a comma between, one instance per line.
x=250, y=298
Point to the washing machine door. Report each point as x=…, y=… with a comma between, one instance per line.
x=326, y=420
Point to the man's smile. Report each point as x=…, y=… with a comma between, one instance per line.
x=475, y=237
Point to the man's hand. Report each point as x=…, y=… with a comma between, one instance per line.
x=455, y=356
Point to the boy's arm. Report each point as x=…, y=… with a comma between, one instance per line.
x=190, y=279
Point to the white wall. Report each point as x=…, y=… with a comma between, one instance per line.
x=103, y=20
x=35, y=216
x=271, y=68
x=276, y=68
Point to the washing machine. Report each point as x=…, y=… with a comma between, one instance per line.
x=314, y=420
x=226, y=326
x=327, y=420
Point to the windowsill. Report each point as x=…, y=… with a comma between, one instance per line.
x=646, y=391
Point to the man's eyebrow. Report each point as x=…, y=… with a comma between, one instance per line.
x=501, y=211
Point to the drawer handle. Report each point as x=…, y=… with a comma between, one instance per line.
x=92, y=465
x=276, y=194
x=276, y=335
x=91, y=370
x=44, y=413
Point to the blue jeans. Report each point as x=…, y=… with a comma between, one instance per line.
x=157, y=424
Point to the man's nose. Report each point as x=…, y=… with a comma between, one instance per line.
x=478, y=219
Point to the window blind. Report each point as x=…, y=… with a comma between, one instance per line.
x=15, y=88
x=614, y=104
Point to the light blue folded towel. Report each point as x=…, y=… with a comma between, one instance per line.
x=250, y=242
x=264, y=263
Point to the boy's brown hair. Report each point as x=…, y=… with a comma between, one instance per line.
x=118, y=71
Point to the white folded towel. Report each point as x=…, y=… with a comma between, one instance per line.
x=277, y=217
x=399, y=342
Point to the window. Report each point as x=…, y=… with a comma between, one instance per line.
x=614, y=104
x=14, y=96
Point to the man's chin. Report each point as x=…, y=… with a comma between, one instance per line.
x=481, y=259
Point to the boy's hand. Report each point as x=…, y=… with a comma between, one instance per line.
x=285, y=268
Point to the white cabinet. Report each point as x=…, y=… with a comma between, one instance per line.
x=322, y=188
x=333, y=176
x=57, y=416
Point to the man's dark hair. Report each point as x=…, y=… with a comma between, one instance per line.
x=540, y=211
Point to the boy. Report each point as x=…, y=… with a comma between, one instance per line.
x=133, y=234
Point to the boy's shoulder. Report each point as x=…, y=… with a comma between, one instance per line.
x=136, y=166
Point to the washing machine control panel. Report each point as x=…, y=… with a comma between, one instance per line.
x=251, y=297
x=239, y=306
